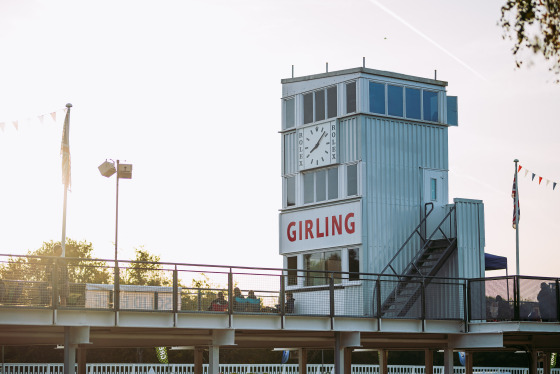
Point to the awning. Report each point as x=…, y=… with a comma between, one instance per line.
x=493, y=262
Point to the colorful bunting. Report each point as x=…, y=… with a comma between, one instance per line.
x=19, y=123
x=540, y=179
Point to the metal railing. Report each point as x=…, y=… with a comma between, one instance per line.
x=57, y=368
x=72, y=283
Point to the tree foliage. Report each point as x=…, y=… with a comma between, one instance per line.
x=533, y=25
x=146, y=271
x=37, y=268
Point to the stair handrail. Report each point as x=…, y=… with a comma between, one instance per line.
x=408, y=239
x=427, y=242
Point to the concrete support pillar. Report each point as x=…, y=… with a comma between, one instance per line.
x=302, y=360
x=73, y=335
x=534, y=362
x=69, y=353
x=429, y=361
x=469, y=362
x=383, y=356
x=448, y=361
x=348, y=360
x=198, y=360
x=546, y=362
x=82, y=369
x=213, y=359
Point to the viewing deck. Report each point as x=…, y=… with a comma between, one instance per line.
x=90, y=303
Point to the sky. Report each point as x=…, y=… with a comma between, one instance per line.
x=189, y=93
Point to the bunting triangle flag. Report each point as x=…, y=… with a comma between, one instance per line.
x=547, y=182
x=553, y=185
x=540, y=180
x=526, y=172
x=53, y=116
x=533, y=177
x=15, y=123
x=519, y=169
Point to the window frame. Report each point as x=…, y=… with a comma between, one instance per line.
x=325, y=91
x=314, y=173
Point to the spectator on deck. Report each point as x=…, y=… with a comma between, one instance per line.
x=239, y=304
x=219, y=304
x=253, y=303
x=290, y=302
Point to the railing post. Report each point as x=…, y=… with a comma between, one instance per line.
x=378, y=297
x=175, y=290
x=116, y=293
x=54, y=287
x=199, y=299
x=230, y=294
x=331, y=299
x=423, y=301
x=516, y=298
x=282, y=297
x=557, y=301
x=467, y=301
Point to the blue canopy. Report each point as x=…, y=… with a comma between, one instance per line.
x=493, y=262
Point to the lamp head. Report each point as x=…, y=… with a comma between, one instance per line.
x=107, y=168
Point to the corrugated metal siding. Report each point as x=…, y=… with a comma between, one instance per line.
x=470, y=237
x=349, y=135
x=290, y=153
x=393, y=153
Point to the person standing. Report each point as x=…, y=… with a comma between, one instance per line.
x=60, y=275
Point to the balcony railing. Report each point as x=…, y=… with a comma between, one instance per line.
x=71, y=283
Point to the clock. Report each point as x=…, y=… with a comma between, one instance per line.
x=317, y=145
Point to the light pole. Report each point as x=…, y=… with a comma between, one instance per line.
x=124, y=171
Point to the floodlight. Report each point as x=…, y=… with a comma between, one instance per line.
x=107, y=168
x=125, y=171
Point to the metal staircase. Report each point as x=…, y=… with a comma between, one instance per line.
x=418, y=274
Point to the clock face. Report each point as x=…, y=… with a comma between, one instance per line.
x=317, y=144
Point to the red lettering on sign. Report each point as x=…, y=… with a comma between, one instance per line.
x=291, y=233
x=337, y=225
x=308, y=229
x=319, y=233
x=333, y=225
x=352, y=227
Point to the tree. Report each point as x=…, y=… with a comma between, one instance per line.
x=147, y=271
x=37, y=268
x=534, y=25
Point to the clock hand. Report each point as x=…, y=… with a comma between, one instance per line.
x=318, y=142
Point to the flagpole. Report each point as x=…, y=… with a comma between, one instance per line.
x=63, y=240
x=516, y=209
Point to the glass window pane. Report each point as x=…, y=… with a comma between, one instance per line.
x=321, y=185
x=333, y=263
x=308, y=108
x=331, y=102
x=376, y=98
x=430, y=106
x=352, y=180
x=290, y=113
x=413, y=103
x=433, y=189
x=333, y=183
x=320, y=105
x=354, y=264
x=308, y=188
x=290, y=191
x=395, y=96
x=292, y=271
x=351, y=97
x=313, y=263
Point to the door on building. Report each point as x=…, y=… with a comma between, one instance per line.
x=434, y=191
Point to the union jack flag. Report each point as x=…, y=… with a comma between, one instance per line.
x=65, y=151
x=516, y=212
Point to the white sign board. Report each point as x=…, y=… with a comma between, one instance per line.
x=331, y=226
